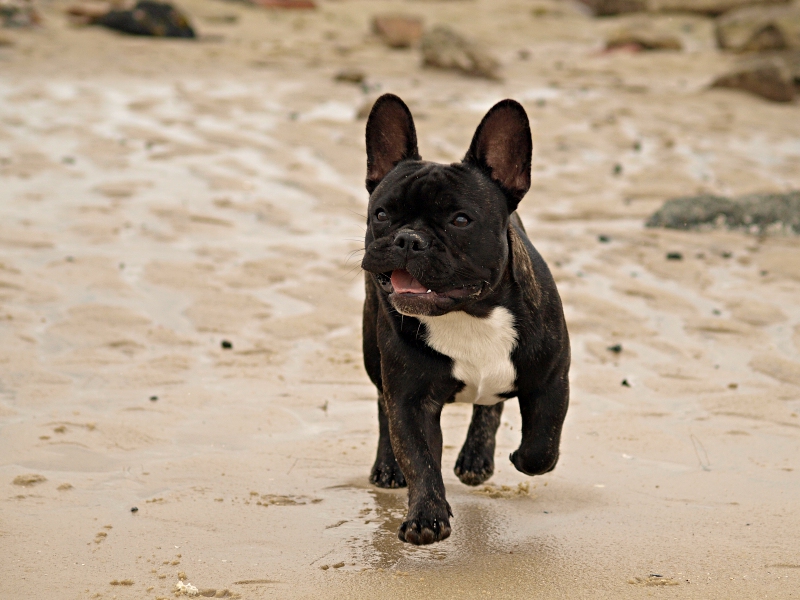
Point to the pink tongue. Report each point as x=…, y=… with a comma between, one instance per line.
x=404, y=283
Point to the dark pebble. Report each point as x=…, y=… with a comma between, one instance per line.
x=134, y=509
x=226, y=345
x=153, y=398
x=618, y=169
x=674, y=256
x=616, y=348
x=625, y=383
x=727, y=254
x=603, y=239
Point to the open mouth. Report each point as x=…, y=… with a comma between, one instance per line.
x=404, y=284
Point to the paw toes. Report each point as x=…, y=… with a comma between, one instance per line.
x=421, y=534
x=387, y=477
x=473, y=476
x=474, y=471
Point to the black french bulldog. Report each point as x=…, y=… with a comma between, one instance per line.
x=459, y=307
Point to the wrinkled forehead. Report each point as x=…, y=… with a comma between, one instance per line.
x=445, y=187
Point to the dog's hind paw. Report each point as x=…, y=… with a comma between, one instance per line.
x=474, y=467
x=387, y=475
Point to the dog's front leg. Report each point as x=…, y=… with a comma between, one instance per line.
x=416, y=436
x=543, y=411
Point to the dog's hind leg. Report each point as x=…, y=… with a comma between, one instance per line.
x=475, y=462
x=386, y=473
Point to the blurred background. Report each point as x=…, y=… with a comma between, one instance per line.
x=182, y=401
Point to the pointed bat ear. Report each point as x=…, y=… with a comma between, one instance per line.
x=502, y=148
x=391, y=138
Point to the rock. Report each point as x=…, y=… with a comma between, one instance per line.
x=398, y=31
x=770, y=79
x=443, y=48
x=757, y=29
x=350, y=75
x=607, y=8
x=29, y=480
x=706, y=7
x=642, y=35
x=148, y=18
x=19, y=13
x=755, y=213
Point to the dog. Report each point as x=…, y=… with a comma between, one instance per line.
x=459, y=307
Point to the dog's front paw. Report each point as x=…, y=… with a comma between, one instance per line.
x=387, y=474
x=474, y=465
x=423, y=530
x=535, y=461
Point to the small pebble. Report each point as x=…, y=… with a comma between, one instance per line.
x=603, y=239
x=350, y=76
x=226, y=345
x=153, y=398
x=674, y=256
x=134, y=509
x=618, y=169
x=625, y=383
x=616, y=349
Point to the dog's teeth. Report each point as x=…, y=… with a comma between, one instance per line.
x=428, y=292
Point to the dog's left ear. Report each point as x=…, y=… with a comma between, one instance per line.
x=502, y=148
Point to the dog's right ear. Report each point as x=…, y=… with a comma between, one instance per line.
x=391, y=137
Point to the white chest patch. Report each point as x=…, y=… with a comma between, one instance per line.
x=480, y=350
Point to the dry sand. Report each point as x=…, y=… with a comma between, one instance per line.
x=160, y=196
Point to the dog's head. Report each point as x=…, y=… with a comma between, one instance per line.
x=437, y=234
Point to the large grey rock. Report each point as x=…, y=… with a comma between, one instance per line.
x=756, y=213
x=706, y=7
x=768, y=78
x=443, y=48
x=759, y=29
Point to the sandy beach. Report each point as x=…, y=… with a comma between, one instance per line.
x=161, y=197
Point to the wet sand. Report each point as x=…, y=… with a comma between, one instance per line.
x=159, y=197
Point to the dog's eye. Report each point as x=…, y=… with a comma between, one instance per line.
x=461, y=221
x=381, y=216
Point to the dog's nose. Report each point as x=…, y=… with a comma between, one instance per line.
x=410, y=241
